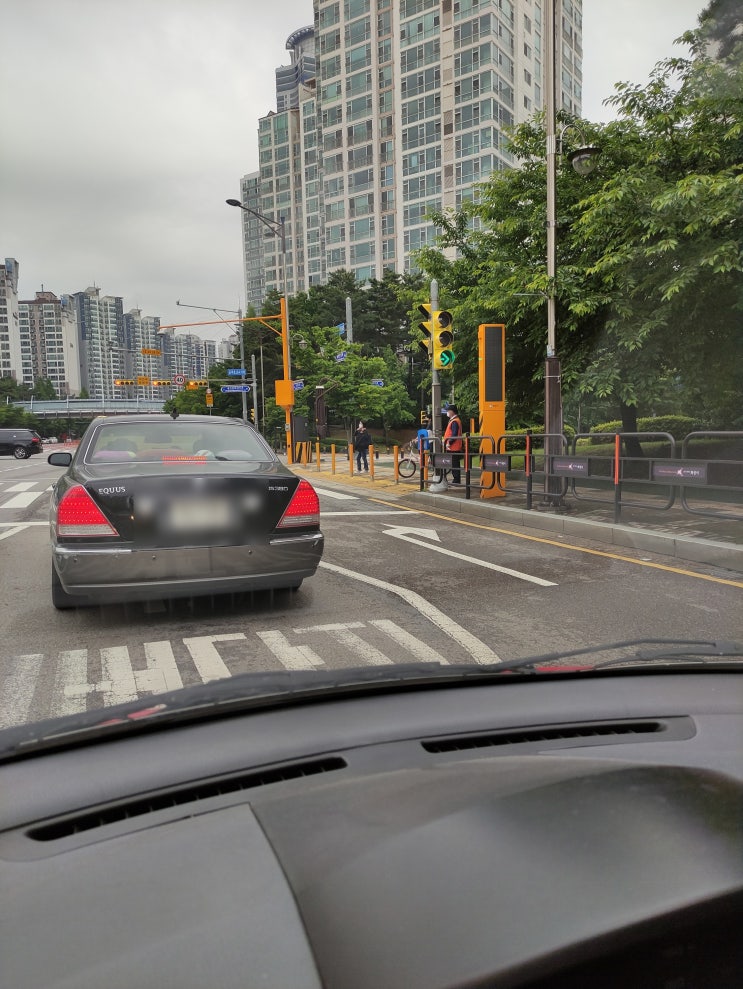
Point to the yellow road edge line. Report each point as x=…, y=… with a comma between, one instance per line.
x=570, y=546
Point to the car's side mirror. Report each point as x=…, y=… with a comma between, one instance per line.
x=59, y=459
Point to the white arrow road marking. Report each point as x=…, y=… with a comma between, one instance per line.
x=400, y=533
x=18, y=690
x=402, y=530
x=477, y=649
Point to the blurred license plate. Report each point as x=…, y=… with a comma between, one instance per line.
x=190, y=514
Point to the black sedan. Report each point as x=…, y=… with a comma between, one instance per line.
x=153, y=507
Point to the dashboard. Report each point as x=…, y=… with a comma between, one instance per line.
x=538, y=833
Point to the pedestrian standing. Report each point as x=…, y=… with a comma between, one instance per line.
x=453, y=442
x=361, y=445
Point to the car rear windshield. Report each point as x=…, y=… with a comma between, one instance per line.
x=176, y=442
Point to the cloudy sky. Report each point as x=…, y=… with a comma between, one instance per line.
x=125, y=124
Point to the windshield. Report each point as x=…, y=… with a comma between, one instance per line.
x=115, y=443
x=356, y=344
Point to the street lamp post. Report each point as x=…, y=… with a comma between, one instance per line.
x=583, y=161
x=278, y=229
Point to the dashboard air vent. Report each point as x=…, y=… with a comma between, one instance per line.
x=192, y=793
x=561, y=734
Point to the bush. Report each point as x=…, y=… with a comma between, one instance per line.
x=677, y=426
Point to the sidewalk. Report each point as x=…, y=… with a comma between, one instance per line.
x=675, y=532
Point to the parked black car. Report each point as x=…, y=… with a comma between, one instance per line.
x=20, y=443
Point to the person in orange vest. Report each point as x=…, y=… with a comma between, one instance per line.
x=453, y=442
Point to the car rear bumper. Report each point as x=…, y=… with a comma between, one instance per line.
x=125, y=574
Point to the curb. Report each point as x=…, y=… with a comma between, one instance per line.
x=727, y=556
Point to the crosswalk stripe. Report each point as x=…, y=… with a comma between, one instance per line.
x=22, y=500
x=118, y=684
x=21, y=486
x=338, y=495
x=343, y=633
x=18, y=690
x=207, y=660
x=162, y=671
x=426, y=654
x=71, y=687
x=291, y=657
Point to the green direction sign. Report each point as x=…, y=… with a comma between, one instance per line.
x=447, y=358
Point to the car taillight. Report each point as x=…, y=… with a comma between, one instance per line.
x=78, y=515
x=303, y=509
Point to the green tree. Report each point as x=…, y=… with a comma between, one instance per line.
x=44, y=390
x=649, y=265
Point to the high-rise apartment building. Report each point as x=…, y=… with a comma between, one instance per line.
x=406, y=114
x=48, y=325
x=300, y=71
x=100, y=322
x=11, y=358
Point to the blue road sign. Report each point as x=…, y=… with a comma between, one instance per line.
x=226, y=388
x=378, y=382
x=342, y=356
x=235, y=372
x=298, y=385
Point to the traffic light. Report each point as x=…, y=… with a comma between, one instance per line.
x=443, y=337
x=252, y=415
x=426, y=328
x=161, y=384
x=198, y=384
x=424, y=417
x=124, y=381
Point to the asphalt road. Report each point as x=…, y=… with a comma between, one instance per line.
x=396, y=585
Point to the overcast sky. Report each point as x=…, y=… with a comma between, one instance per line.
x=125, y=124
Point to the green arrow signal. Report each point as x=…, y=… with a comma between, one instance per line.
x=446, y=358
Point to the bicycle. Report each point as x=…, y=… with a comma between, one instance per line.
x=409, y=465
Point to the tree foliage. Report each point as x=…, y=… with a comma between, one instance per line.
x=649, y=283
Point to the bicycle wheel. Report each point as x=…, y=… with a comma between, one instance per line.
x=407, y=467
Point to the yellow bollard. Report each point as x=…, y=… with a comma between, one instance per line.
x=332, y=458
x=317, y=453
x=371, y=462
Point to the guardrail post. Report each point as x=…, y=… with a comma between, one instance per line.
x=527, y=468
x=467, y=467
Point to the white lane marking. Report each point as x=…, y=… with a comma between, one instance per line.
x=21, y=486
x=70, y=684
x=338, y=495
x=402, y=530
x=207, y=660
x=471, y=559
x=162, y=672
x=422, y=652
x=22, y=500
x=117, y=684
x=383, y=511
x=342, y=633
x=18, y=690
x=480, y=652
x=292, y=657
x=20, y=525
x=13, y=531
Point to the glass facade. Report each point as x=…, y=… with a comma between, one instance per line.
x=406, y=115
